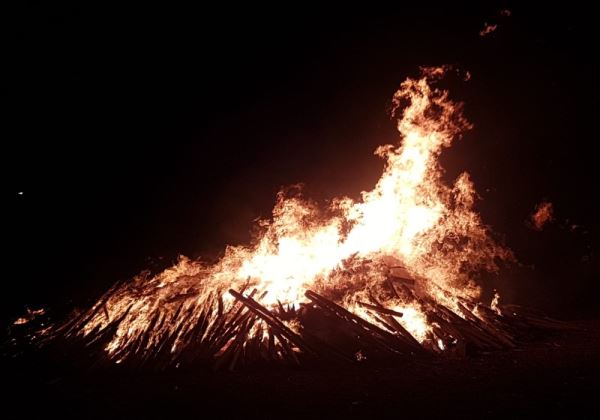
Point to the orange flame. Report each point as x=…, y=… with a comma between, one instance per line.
x=542, y=215
x=30, y=316
x=345, y=251
x=488, y=28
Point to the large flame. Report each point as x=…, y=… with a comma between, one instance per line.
x=411, y=222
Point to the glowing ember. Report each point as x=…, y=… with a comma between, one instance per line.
x=487, y=29
x=30, y=316
x=495, y=305
x=410, y=221
x=542, y=215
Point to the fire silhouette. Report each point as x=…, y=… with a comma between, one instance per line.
x=395, y=269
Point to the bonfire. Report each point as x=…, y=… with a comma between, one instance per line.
x=389, y=275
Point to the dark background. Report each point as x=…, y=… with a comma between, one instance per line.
x=137, y=135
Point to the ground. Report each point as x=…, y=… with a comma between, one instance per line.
x=556, y=375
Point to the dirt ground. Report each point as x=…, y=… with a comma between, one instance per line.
x=555, y=376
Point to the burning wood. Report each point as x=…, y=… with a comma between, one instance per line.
x=386, y=275
x=246, y=332
x=380, y=309
x=272, y=320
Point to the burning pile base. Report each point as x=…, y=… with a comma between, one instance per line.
x=246, y=332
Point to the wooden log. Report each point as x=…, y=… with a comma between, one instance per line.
x=357, y=328
x=242, y=337
x=484, y=328
x=145, y=338
x=492, y=324
x=455, y=325
x=288, y=351
x=380, y=309
x=232, y=352
x=282, y=311
x=468, y=330
x=215, y=346
x=182, y=296
x=397, y=327
x=385, y=339
x=105, y=309
x=384, y=322
x=327, y=350
x=101, y=334
x=535, y=319
x=220, y=306
x=225, y=323
x=277, y=326
x=403, y=332
x=202, y=322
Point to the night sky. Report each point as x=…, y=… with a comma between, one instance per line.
x=132, y=136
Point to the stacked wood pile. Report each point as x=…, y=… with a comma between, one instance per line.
x=248, y=333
